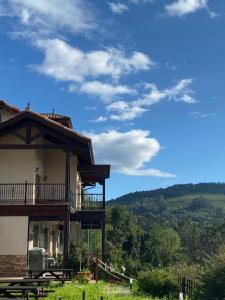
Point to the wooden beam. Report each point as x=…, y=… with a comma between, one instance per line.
x=66, y=240
x=103, y=192
x=38, y=210
x=28, y=134
x=67, y=176
x=19, y=136
x=36, y=136
x=103, y=241
x=29, y=146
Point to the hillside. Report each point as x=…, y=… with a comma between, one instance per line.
x=200, y=202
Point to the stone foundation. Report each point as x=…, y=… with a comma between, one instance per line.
x=13, y=265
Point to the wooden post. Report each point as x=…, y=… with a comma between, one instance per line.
x=25, y=199
x=103, y=223
x=103, y=240
x=66, y=239
x=103, y=192
x=96, y=270
x=183, y=286
x=67, y=216
x=83, y=295
x=67, y=177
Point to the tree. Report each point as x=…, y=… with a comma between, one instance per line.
x=163, y=247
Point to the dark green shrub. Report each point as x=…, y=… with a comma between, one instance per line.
x=213, y=280
x=158, y=283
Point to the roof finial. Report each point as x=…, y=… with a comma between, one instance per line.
x=28, y=106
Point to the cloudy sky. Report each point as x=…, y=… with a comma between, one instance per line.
x=144, y=78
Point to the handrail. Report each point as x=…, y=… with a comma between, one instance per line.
x=111, y=269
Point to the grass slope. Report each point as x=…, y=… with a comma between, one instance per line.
x=94, y=291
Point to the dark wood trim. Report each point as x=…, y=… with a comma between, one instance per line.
x=103, y=241
x=67, y=176
x=103, y=192
x=36, y=136
x=47, y=218
x=29, y=146
x=19, y=136
x=87, y=216
x=66, y=240
x=28, y=134
x=38, y=210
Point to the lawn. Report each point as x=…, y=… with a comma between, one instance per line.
x=94, y=291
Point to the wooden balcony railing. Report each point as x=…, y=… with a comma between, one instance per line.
x=92, y=201
x=29, y=193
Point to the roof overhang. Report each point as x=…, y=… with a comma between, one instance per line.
x=67, y=138
x=94, y=173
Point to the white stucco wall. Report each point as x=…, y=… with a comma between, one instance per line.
x=18, y=166
x=13, y=235
x=55, y=161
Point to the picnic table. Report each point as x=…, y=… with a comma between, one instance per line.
x=57, y=274
x=22, y=291
x=25, y=282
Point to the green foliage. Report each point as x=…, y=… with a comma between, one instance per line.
x=78, y=256
x=158, y=283
x=163, y=247
x=123, y=237
x=200, y=202
x=213, y=279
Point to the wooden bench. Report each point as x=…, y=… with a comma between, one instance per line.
x=21, y=291
x=59, y=274
x=25, y=282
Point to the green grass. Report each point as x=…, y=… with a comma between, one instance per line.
x=94, y=291
x=217, y=200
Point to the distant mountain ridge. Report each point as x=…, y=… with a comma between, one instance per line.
x=201, y=202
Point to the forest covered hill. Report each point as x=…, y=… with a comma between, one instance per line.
x=203, y=202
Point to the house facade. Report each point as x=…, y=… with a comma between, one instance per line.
x=47, y=175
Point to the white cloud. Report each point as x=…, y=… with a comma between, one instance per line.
x=183, y=7
x=124, y=111
x=47, y=17
x=100, y=119
x=105, y=91
x=118, y=8
x=180, y=92
x=141, y=1
x=197, y=114
x=67, y=63
x=127, y=152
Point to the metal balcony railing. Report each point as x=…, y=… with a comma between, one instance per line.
x=29, y=193
x=92, y=201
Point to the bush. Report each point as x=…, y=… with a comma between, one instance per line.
x=158, y=283
x=213, y=287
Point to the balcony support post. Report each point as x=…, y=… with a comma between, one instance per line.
x=67, y=216
x=103, y=240
x=66, y=239
x=103, y=192
x=67, y=177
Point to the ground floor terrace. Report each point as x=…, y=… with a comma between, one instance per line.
x=43, y=239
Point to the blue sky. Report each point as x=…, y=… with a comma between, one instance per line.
x=144, y=78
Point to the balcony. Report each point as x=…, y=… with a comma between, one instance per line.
x=50, y=194
x=29, y=194
x=92, y=201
